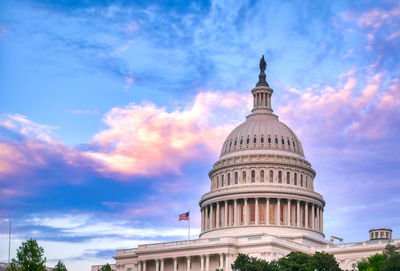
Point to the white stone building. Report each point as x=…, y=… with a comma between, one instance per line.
x=261, y=202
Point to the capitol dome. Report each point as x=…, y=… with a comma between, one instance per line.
x=262, y=182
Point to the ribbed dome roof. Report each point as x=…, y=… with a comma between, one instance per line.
x=262, y=132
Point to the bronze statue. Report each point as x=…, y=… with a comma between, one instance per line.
x=263, y=64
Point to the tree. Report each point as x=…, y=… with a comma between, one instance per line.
x=245, y=263
x=324, y=262
x=60, y=266
x=388, y=261
x=296, y=261
x=106, y=267
x=29, y=257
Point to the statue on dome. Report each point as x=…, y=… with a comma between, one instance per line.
x=263, y=64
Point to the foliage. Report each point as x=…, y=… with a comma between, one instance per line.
x=388, y=261
x=60, y=266
x=294, y=261
x=106, y=267
x=29, y=257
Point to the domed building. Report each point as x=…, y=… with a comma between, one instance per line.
x=261, y=202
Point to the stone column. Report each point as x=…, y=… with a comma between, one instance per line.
x=322, y=220
x=207, y=224
x=211, y=216
x=298, y=213
x=162, y=264
x=257, y=211
x=201, y=262
x=245, y=212
x=235, y=213
x=313, y=216
x=187, y=263
x=226, y=210
x=207, y=262
x=288, y=213
x=267, y=211
x=202, y=219
x=227, y=263
x=175, y=264
x=144, y=265
x=217, y=216
x=318, y=221
x=306, y=207
x=221, y=261
x=278, y=215
x=157, y=265
x=140, y=267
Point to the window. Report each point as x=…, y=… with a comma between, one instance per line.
x=262, y=176
x=262, y=140
x=271, y=176
x=248, y=140
x=295, y=179
x=301, y=180
x=244, y=177
x=288, y=142
x=276, y=140
x=241, y=141
x=222, y=180
x=279, y=176
x=294, y=146
x=230, y=144
x=255, y=140
x=235, y=143
x=229, y=179
x=269, y=140
x=283, y=141
x=236, y=178
x=253, y=176
x=288, y=177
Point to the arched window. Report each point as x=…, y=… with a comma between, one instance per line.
x=244, y=177
x=276, y=140
x=262, y=139
x=262, y=175
x=255, y=140
x=283, y=141
x=229, y=179
x=294, y=146
x=253, y=176
x=301, y=180
x=288, y=177
x=241, y=141
x=269, y=140
x=288, y=142
x=230, y=144
x=236, y=177
x=279, y=176
x=222, y=180
x=271, y=176
x=235, y=143
x=248, y=140
x=295, y=179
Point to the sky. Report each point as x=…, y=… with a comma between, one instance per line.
x=112, y=113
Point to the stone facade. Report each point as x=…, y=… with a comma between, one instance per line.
x=261, y=202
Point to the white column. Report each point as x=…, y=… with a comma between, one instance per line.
x=322, y=220
x=188, y=263
x=217, y=216
x=140, y=266
x=227, y=263
x=313, y=216
x=202, y=219
x=175, y=264
x=298, y=213
x=201, y=262
x=144, y=265
x=306, y=207
x=288, y=213
x=267, y=211
x=211, y=216
x=226, y=210
x=157, y=265
x=318, y=222
x=221, y=261
x=207, y=223
x=245, y=212
x=257, y=211
x=235, y=213
x=207, y=262
x=162, y=264
x=278, y=215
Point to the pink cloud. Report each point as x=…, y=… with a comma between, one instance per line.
x=359, y=106
x=376, y=18
x=148, y=140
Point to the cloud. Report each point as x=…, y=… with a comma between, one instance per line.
x=83, y=111
x=146, y=140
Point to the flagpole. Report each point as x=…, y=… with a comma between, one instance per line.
x=189, y=226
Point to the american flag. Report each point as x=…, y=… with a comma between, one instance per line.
x=184, y=216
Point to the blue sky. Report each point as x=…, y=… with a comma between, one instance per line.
x=112, y=113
